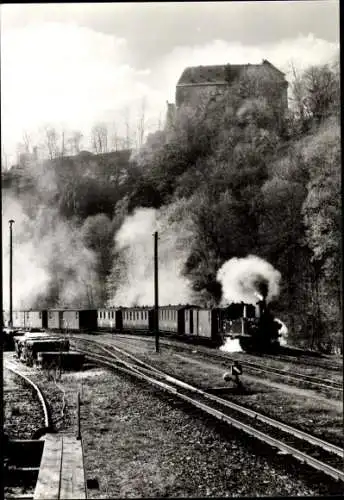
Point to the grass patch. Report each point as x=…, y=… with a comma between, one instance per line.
x=315, y=415
x=140, y=443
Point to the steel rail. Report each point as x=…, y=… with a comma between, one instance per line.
x=285, y=448
x=47, y=421
x=326, y=384
x=251, y=413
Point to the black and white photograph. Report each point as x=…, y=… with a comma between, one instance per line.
x=172, y=315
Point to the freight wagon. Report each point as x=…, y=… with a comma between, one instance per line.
x=55, y=319
x=36, y=319
x=79, y=319
x=18, y=319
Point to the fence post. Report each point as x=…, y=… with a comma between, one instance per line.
x=78, y=417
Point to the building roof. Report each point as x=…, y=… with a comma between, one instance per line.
x=197, y=75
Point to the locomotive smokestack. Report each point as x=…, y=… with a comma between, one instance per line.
x=262, y=288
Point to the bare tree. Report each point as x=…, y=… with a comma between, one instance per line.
x=63, y=145
x=100, y=138
x=115, y=139
x=51, y=142
x=316, y=93
x=322, y=88
x=127, y=128
x=298, y=95
x=141, y=124
x=27, y=141
x=74, y=142
x=4, y=159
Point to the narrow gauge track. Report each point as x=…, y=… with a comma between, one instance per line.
x=308, y=361
x=296, y=360
x=287, y=375
x=40, y=395
x=18, y=472
x=308, y=449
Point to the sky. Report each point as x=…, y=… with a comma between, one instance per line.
x=74, y=65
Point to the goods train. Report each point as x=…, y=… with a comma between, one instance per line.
x=254, y=326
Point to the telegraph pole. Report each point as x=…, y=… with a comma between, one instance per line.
x=156, y=292
x=11, y=269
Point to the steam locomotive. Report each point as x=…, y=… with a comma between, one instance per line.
x=254, y=326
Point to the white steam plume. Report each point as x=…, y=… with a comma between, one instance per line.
x=135, y=245
x=283, y=333
x=231, y=345
x=245, y=279
x=30, y=278
x=51, y=265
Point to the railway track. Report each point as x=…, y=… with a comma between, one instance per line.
x=45, y=408
x=22, y=466
x=224, y=357
x=296, y=360
x=316, y=453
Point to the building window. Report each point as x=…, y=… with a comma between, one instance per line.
x=112, y=314
x=76, y=314
x=40, y=314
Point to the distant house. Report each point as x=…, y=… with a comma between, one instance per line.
x=208, y=81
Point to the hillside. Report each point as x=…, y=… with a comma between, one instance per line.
x=230, y=177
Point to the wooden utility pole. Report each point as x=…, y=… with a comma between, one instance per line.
x=11, y=270
x=156, y=292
